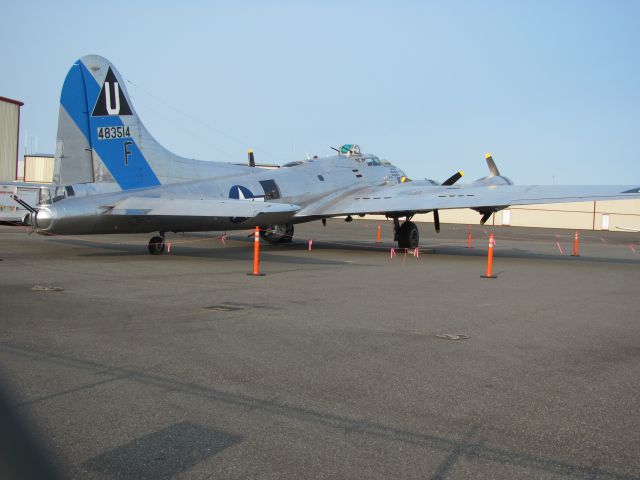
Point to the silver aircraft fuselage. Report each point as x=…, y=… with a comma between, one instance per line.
x=315, y=181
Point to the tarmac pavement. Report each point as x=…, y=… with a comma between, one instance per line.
x=338, y=363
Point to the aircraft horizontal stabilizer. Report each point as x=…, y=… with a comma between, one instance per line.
x=196, y=207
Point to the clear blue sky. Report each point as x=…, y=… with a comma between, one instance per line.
x=551, y=88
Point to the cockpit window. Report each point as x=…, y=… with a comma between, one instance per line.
x=372, y=161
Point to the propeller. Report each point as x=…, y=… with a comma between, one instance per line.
x=447, y=183
x=494, y=178
x=252, y=162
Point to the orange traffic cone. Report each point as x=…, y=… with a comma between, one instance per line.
x=492, y=243
x=256, y=254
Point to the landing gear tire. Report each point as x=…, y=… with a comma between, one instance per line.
x=156, y=246
x=275, y=234
x=288, y=236
x=408, y=235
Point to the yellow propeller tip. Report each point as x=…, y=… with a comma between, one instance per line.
x=487, y=155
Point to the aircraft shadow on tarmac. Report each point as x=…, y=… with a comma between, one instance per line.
x=443, y=249
x=227, y=253
x=468, y=448
x=524, y=254
x=244, y=252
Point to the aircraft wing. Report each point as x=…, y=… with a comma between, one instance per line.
x=414, y=197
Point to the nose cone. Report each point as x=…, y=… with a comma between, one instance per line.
x=43, y=219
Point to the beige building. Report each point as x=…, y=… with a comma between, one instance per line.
x=9, y=131
x=38, y=168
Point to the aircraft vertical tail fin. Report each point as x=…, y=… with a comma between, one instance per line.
x=100, y=136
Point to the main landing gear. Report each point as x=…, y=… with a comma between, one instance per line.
x=156, y=245
x=274, y=234
x=407, y=234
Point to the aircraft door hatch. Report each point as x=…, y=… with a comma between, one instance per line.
x=271, y=190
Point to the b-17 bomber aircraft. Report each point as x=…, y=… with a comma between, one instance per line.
x=112, y=176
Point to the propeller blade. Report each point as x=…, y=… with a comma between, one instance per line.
x=492, y=165
x=448, y=182
x=252, y=162
x=453, y=178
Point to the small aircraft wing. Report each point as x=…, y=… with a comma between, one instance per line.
x=418, y=197
x=164, y=210
x=197, y=207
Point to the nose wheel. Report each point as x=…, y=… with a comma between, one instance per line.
x=156, y=245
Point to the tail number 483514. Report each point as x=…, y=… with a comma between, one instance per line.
x=110, y=133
